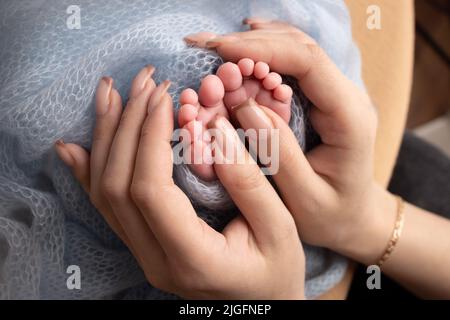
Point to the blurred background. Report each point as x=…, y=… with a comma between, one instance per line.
x=429, y=114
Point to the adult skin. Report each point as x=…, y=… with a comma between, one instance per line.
x=387, y=63
x=341, y=208
x=128, y=176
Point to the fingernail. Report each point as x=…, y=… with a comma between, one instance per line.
x=144, y=76
x=217, y=41
x=63, y=153
x=104, y=95
x=199, y=38
x=158, y=94
x=250, y=115
x=255, y=20
x=190, y=40
x=212, y=44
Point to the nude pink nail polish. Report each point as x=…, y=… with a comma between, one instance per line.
x=150, y=70
x=63, y=153
x=157, y=95
x=103, y=95
x=198, y=39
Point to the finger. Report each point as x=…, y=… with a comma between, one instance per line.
x=122, y=153
x=248, y=187
x=165, y=207
x=320, y=79
x=293, y=174
x=108, y=112
x=119, y=170
x=77, y=159
x=199, y=39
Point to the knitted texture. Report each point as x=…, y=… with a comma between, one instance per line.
x=49, y=73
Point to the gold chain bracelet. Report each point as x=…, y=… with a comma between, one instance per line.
x=396, y=233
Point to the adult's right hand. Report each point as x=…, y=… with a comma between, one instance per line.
x=330, y=191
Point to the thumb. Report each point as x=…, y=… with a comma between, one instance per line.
x=281, y=154
x=318, y=77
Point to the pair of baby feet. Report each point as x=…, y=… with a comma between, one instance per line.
x=232, y=85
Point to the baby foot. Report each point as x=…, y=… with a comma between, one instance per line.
x=195, y=113
x=248, y=79
x=218, y=94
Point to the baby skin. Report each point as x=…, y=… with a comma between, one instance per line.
x=232, y=85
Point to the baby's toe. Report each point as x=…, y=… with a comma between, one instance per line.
x=189, y=96
x=201, y=160
x=261, y=70
x=211, y=91
x=271, y=81
x=246, y=66
x=283, y=109
x=186, y=114
x=143, y=79
x=198, y=153
x=283, y=93
x=230, y=75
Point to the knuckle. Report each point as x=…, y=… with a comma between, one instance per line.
x=145, y=194
x=287, y=232
x=112, y=189
x=248, y=180
x=316, y=54
x=142, y=192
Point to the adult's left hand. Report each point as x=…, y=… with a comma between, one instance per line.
x=128, y=176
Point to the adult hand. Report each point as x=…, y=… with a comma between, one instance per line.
x=128, y=176
x=330, y=191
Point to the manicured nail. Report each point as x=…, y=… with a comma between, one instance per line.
x=255, y=20
x=199, y=38
x=217, y=41
x=212, y=44
x=104, y=95
x=190, y=40
x=63, y=153
x=250, y=115
x=144, y=76
x=157, y=95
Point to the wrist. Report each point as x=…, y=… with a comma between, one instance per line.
x=366, y=239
